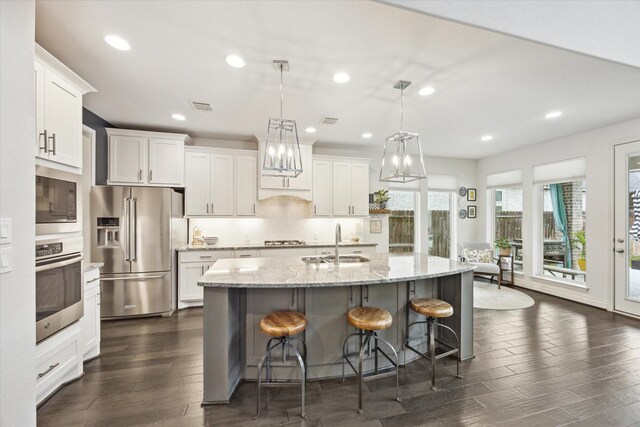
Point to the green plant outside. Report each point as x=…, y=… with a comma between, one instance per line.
x=579, y=241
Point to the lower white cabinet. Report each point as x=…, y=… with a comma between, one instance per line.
x=58, y=361
x=90, y=322
x=192, y=265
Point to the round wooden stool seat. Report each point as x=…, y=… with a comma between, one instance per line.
x=369, y=318
x=431, y=307
x=283, y=323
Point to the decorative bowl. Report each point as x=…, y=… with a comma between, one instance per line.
x=211, y=240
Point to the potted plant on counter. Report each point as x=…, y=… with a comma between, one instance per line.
x=503, y=245
x=381, y=198
x=579, y=241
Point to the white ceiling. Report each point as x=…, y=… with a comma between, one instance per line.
x=486, y=83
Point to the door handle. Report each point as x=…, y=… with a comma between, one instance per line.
x=134, y=239
x=53, y=139
x=207, y=207
x=46, y=139
x=620, y=251
x=254, y=208
x=150, y=175
x=139, y=175
x=213, y=210
x=315, y=211
x=620, y=240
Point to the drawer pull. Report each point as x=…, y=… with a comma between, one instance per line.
x=205, y=256
x=51, y=368
x=357, y=252
x=245, y=255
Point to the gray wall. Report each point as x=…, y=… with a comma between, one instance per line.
x=17, y=201
x=98, y=124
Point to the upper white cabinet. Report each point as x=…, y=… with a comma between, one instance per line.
x=220, y=182
x=58, y=139
x=300, y=186
x=340, y=186
x=246, y=185
x=146, y=158
x=322, y=187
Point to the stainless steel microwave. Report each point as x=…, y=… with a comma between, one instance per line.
x=57, y=202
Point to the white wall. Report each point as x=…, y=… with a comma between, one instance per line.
x=604, y=29
x=17, y=201
x=597, y=147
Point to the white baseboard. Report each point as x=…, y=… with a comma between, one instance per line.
x=558, y=291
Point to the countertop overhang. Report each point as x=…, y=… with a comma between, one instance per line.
x=292, y=272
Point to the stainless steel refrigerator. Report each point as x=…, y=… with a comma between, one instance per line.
x=135, y=233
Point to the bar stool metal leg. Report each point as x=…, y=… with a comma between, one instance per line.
x=303, y=376
x=440, y=325
x=432, y=353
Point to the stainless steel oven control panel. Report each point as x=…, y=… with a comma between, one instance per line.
x=48, y=249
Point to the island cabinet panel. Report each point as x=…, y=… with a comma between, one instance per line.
x=261, y=302
x=326, y=311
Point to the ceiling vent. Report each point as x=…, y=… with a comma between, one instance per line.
x=329, y=120
x=200, y=106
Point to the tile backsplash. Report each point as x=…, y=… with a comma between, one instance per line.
x=278, y=218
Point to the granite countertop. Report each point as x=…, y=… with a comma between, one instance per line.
x=292, y=272
x=261, y=245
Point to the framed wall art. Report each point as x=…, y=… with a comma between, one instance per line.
x=471, y=194
x=471, y=211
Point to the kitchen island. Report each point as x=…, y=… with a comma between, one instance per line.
x=238, y=292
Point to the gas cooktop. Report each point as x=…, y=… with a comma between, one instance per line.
x=284, y=242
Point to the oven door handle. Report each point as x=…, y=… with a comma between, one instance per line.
x=59, y=264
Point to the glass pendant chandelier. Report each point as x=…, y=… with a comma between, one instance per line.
x=402, y=159
x=282, y=155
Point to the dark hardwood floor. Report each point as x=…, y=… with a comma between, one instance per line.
x=555, y=363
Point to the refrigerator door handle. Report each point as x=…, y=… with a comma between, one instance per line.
x=125, y=235
x=134, y=220
x=115, y=279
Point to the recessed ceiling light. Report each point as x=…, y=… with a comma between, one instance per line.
x=366, y=135
x=310, y=130
x=117, y=42
x=553, y=114
x=341, y=77
x=427, y=90
x=177, y=116
x=235, y=61
x=486, y=138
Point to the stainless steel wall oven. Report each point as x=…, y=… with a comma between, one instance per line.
x=59, y=288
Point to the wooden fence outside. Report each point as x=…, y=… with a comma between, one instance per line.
x=401, y=232
x=509, y=225
x=440, y=234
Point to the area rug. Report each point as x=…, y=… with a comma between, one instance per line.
x=488, y=296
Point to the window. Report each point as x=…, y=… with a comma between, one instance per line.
x=563, y=228
x=402, y=227
x=508, y=221
x=439, y=220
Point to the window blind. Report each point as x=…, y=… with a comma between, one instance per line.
x=444, y=182
x=565, y=170
x=504, y=179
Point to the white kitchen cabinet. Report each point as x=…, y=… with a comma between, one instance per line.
x=322, y=187
x=90, y=322
x=287, y=252
x=340, y=186
x=58, y=113
x=210, y=184
x=146, y=158
x=222, y=184
x=246, y=185
x=166, y=161
x=58, y=361
x=299, y=186
x=191, y=266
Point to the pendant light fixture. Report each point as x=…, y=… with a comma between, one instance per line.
x=282, y=155
x=402, y=159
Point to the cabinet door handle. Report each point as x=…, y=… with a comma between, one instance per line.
x=213, y=211
x=207, y=207
x=315, y=211
x=139, y=175
x=293, y=296
x=351, y=294
x=283, y=181
x=150, y=175
x=53, y=139
x=254, y=208
x=367, y=286
x=46, y=142
x=202, y=270
x=51, y=368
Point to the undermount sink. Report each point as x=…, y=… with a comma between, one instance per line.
x=329, y=259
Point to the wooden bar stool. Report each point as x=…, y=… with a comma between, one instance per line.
x=282, y=326
x=433, y=309
x=368, y=320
